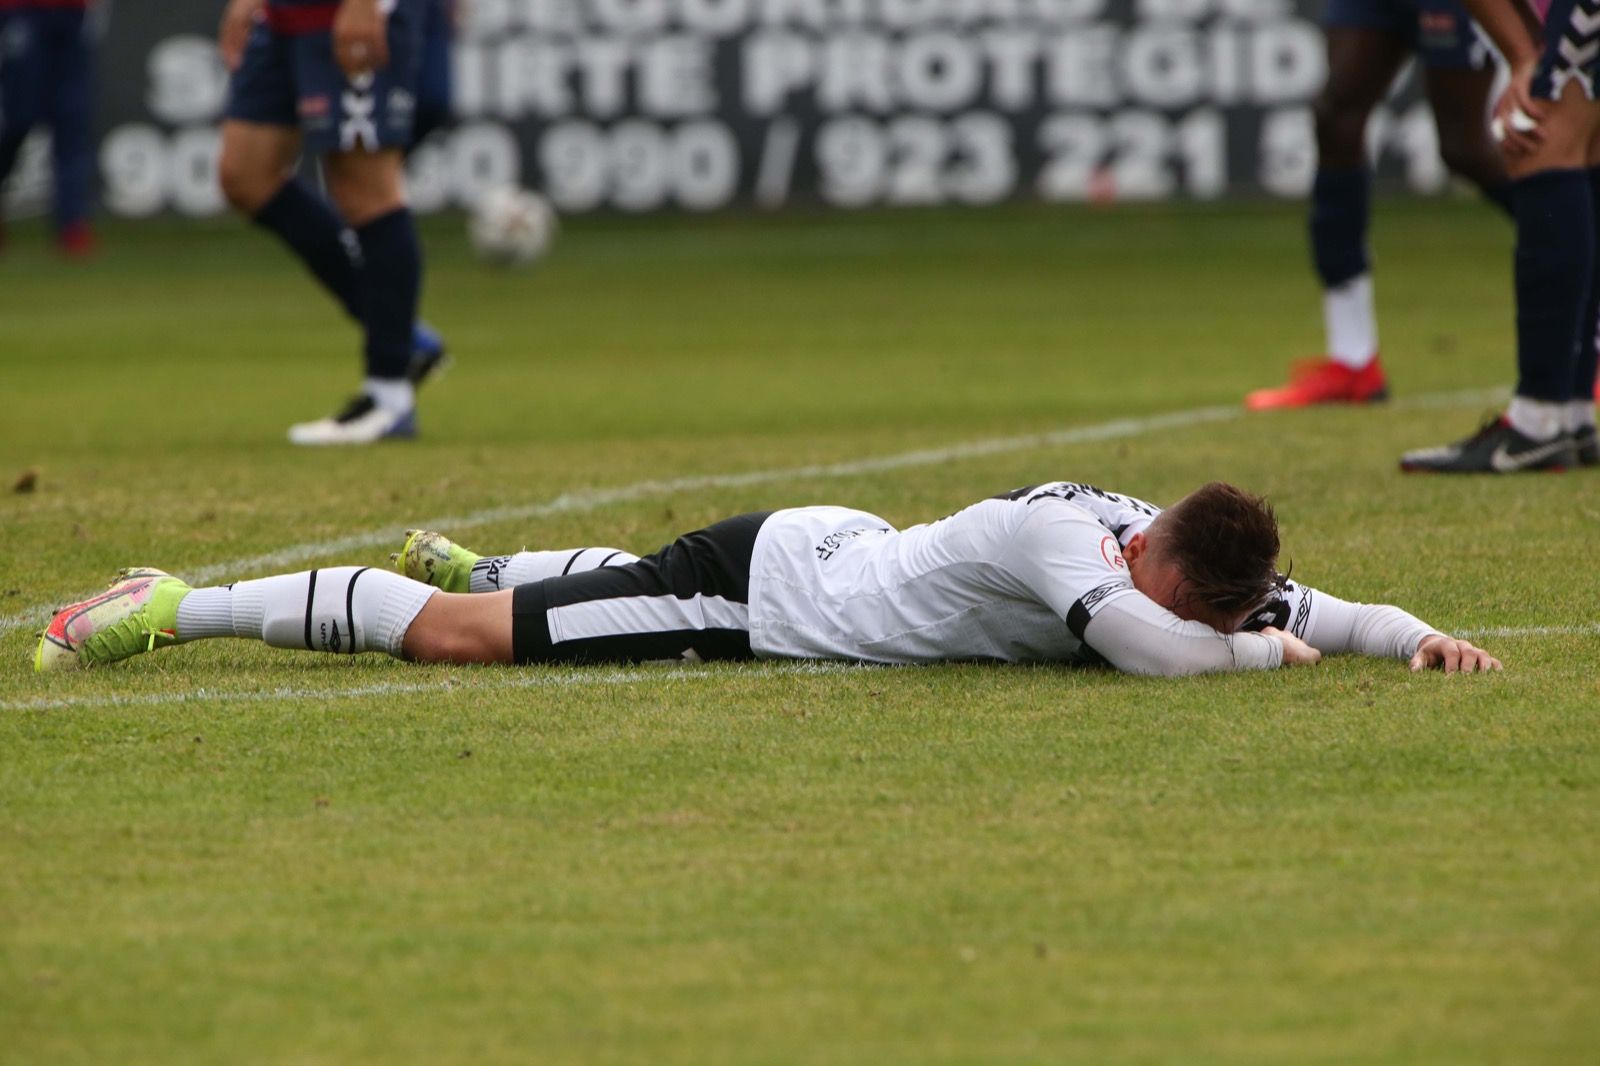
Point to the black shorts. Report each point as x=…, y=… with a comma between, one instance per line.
x=691, y=599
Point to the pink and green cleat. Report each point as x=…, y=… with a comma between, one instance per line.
x=138, y=613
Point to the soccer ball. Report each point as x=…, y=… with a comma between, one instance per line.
x=510, y=226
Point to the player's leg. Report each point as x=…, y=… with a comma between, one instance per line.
x=70, y=108
x=689, y=600
x=261, y=143
x=1366, y=44
x=343, y=610
x=435, y=559
x=1459, y=98
x=21, y=85
x=361, y=144
x=1554, y=273
x=1585, y=388
x=1460, y=76
x=433, y=78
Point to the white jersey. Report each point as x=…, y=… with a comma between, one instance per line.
x=1014, y=578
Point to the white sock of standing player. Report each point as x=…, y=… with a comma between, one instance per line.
x=495, y=572
x=1351, y=322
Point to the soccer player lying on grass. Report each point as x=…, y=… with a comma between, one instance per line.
x=1062, y=572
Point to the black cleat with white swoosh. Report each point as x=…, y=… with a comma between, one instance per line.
x=1497, y=448
x=1587, y=443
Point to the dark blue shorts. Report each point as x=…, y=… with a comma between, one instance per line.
x=293, y=80
x=1439, y=31
x=1571, y=48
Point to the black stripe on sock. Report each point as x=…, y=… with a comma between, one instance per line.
x=607, y=559
x=350, y=608
x=568, y=569
x=311, y=592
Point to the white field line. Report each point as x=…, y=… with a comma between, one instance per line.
x=488, y=681
x=591, y=499
x=1583, y=629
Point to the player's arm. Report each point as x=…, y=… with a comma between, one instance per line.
x=1064, y=558
x=238, y=19
x=1337, y=627
x=1139, y=636
x=1516, y=33
x=360, y=37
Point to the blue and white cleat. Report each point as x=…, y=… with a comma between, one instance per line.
x=361, y=421
x=138, y=613
x=429, y=358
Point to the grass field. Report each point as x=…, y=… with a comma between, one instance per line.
x=225, y=853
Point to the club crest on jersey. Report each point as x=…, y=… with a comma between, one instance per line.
x=1111, y=552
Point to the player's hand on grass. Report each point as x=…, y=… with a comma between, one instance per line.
x=1452, y=656
x=1518, y=117
x=237, y=20
x=360, y=37
x=1296, y=652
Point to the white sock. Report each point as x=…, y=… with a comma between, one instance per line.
x=396, y=395
x=1539, y=419
x=1580, y=415
x=345, y=609
x=495, y=572
x=205, y=613
x=1351, y=322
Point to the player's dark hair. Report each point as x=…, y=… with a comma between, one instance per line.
x=1225, y=542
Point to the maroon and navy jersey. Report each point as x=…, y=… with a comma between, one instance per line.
x=1571, y=48
x=296, y=18
x=19, y=5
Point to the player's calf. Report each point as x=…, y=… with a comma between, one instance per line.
x=436, y=560
x=341, y=610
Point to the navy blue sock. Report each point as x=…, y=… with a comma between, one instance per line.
x=1554, y=271
x=391, y=282
x=306, y=223
x=1588, y=354
x=1500, y=196
x=1340, y=205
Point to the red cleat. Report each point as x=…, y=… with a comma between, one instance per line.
x=1323, y=381
x=76, y=241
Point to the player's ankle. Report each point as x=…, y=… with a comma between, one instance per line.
x=1537, y=419
x=396, y=395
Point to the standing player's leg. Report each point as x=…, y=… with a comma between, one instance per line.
x=433, y=76
x=21, y=88
x=1367, y=42
x=261, y=145
x=361, y=140
x=1585, y=387
x=71, y=105
x=1459, y=99
x=368, y=187
x=1460, y=76
x=1554, y=266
